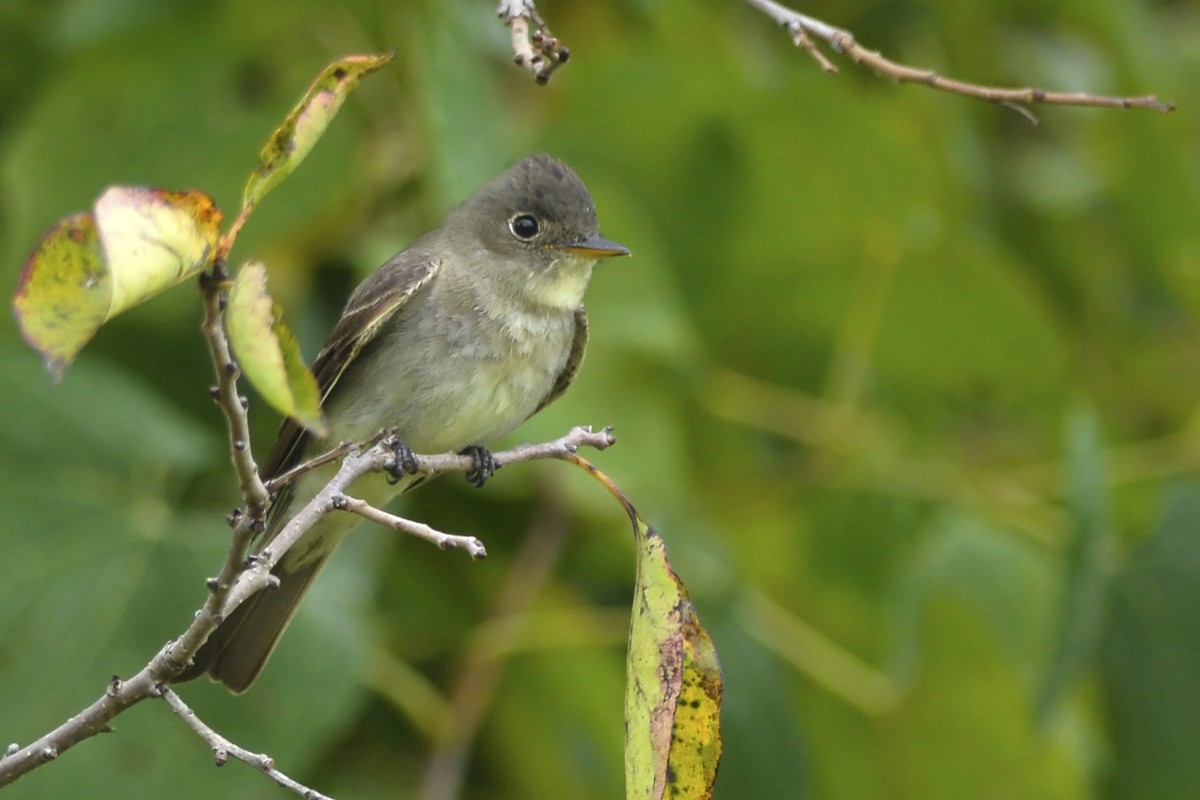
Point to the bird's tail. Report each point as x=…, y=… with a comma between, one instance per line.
x=239, y=648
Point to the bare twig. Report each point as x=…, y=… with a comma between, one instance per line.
x=801, y=27
x=223, y=748
x=233, y=405
x=333, y=454
x=534, y=47
x=420, y=530
x=255, y=497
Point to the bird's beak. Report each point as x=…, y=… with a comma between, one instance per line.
x=597, y=247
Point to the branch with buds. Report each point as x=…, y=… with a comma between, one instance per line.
x=534, y=47
x=804, y=29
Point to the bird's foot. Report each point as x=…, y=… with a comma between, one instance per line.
x=404, y=463
x=484, y=465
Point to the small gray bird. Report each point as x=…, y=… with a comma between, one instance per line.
x=454, y=342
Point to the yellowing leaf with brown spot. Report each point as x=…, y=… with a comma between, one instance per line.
x=673, y=686
x=267, y=350
x=89, y=267
x=305, y=123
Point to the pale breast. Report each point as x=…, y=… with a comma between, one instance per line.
x=449, y=380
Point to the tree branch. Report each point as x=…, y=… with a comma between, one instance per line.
x=534, y=47
x=223, y=748
x=255, y=497
x=253, y=575
x=420, y=530
x=802, y=27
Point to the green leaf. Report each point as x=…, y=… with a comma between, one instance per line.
x=1149, y=650
x=1089, y=559
x=978, y=563
x=673, y=685
x=304, y=124
x=268, y=352
x=89, y=267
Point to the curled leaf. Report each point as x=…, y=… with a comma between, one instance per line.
x=673, y=685
x=153, y=239
x=305, y=123
x=267, y=351
x=89, y=267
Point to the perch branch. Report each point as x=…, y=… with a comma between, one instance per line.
x=804, y=28
x=533, y=46
x=222, y=748
x=381, y=457
x=255, y=575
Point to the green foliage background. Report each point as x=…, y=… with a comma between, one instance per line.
x=908, y=385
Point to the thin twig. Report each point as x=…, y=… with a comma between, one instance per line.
x=223, y=748
x=233, y=405
x=340, y=450
x=226, y=391
x=802, y=40
x=534, y=47
x=801, y=27
x=445, y=541
x=333, y=454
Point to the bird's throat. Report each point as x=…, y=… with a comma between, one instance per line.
x=561, y=287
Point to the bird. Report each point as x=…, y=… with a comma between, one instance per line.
x=452, y=343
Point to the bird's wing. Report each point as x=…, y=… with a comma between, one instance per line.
x=372, y=304
x=574, y=360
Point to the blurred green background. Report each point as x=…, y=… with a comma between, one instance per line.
x=908, y=384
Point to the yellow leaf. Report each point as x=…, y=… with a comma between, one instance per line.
x=63, y=294
x=90, y=267
x=306, y=123
x=267, y=350
x=673, y=686
x=153, y=239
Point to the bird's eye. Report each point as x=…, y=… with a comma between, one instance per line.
x=524, y=226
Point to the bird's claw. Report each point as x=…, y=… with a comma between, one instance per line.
x=484, y=465
x=404, y=463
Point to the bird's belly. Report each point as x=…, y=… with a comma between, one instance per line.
x=441, y=397
x=485, y=401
